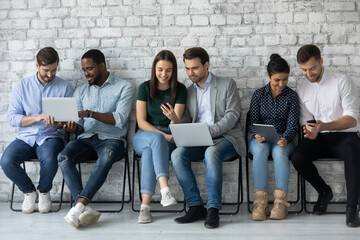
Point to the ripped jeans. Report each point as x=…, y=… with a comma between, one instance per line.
x=106, y=152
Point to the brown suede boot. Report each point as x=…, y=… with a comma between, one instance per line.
x=261, y=208
x=279, y=210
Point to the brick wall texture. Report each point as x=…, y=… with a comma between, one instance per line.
x=239, y=36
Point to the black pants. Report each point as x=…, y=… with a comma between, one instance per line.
x=342, y=145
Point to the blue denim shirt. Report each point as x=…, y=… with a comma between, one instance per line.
x=114, y=96
x=26, y=100
x=282, y=111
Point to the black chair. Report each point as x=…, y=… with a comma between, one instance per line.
x=250, y=157
x=125, y=173
x=13, y=192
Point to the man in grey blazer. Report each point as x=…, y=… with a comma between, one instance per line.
x=215, y=101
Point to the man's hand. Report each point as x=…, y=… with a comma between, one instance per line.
x=49, y=120
x=259, y=138
x=282, y=142
x=83, y=114
x=311, y=130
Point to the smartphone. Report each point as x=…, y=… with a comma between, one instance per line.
x=311, y=121
x=168, y=99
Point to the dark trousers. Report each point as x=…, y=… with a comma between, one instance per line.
x=342, y=145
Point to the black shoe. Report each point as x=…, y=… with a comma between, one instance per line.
x=321, y=205
x=352, y=216
x=195, y=213
x=212, y=218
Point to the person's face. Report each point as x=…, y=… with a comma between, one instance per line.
x=163, y=71
x=46, y=73
x=92, y=71
x=196, y=71
x=312, y=69
x=278, y=81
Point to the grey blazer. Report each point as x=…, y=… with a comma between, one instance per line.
x=225, y=109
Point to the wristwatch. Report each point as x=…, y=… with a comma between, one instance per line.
x=90, y=113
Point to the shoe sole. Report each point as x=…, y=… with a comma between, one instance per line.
x=144, y=222
x=211, y=227
x=87, y=219
x=45, y=210
x=28, y=212
x=200, y=219
x=73, y=224
x=169, y=204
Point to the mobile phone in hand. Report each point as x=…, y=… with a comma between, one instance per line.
x=311, y=121
x=168, y=99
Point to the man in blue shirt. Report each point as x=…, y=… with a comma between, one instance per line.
x=104, y=104
x=35, y=138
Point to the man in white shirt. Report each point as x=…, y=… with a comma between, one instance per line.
x=330, y=99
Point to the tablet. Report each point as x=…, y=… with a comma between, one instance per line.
x=191, y=134
x=267, y=131
x=62, y=109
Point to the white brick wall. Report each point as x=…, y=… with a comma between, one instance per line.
x=239, y=35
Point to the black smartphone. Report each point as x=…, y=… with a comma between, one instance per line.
x=168, y=99
x=311, y=121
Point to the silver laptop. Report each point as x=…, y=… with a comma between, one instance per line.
x=191, y=134
x=62, y=109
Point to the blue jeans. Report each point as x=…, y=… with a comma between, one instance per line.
x=106, y=152
x=280, y=155
x=213, y=158
x=154, y=151
x=18, y=151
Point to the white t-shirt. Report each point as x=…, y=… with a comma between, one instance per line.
x=331, y=98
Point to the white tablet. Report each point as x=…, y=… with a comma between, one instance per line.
x=62, y=109
x=267, y=131
x=191, y=134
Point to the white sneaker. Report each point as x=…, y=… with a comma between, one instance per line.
x=72, y=217
x=89, y=216
x=145, y=216
x=167, y=199
x=28, y=206
x=44, y=204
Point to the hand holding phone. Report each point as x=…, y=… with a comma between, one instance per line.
x=311, y=121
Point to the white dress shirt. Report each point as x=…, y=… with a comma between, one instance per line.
x=333, y=97
x=203, y=103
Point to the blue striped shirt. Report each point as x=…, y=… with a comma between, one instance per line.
x=282, y=111
x=114, y=96
x=26, y=100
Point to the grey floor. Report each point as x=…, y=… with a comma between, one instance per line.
x=16, y=225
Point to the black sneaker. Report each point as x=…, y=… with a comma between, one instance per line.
x=212, y=218
x=352, y=216
x=195, y=213
x=323, y=200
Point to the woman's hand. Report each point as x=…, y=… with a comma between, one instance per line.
x=169, y=138
x=282, y=142
x=259, y=138
x=169, y=112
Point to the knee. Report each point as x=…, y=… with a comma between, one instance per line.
x=158, y=139
x=5, y=163
x=212, y=157
x=176, y=156
x=62, y=159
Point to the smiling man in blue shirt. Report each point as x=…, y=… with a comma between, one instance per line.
x=104, y=104
x=35, y=138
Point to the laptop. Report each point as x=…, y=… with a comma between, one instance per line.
x=62, y=109
x=268, y=132
x=191, y=134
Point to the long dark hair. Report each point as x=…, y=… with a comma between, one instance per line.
x=277, y=65
x=167, y=56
